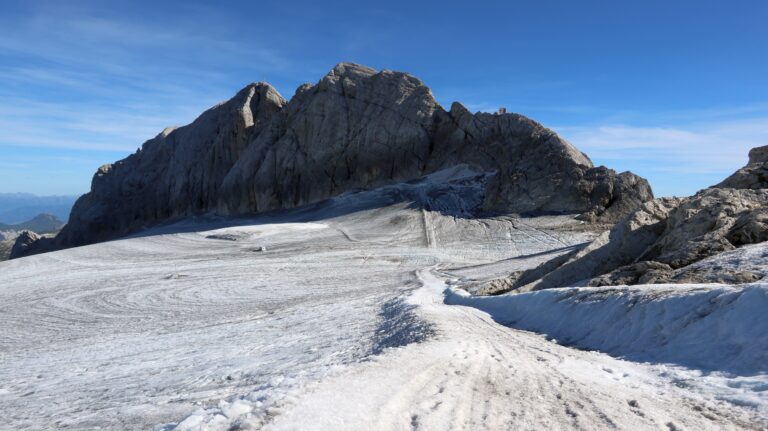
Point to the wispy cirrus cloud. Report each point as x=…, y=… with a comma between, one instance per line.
x=83, y=126
x=678, y=160
x=715, y=146
x=71, y=77
x=82, y=84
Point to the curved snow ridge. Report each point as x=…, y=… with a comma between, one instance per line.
x=708, y=327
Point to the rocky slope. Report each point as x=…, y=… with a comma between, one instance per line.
x=663, y=240
x=6, y=244
x=23, y=242
x=356, y=128
x=9, y=234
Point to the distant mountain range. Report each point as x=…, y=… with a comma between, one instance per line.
x=43, y=223
x=17, y=208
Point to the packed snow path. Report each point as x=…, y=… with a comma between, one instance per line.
x=476, y=374
x=308, y=321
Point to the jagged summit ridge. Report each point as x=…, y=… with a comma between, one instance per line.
x=357, y=128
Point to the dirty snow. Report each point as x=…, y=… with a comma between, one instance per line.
x=333, y=317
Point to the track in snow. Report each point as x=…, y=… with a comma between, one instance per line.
x=479, y=375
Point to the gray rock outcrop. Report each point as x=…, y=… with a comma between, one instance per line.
x=7, y=239
x=660, y=241
x=620, y=246
x=712, y=221
x=177, y=173
x=752, y=176
x=24, y=241
x=355, y=129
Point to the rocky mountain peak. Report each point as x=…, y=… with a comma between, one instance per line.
x=357, y=128
x=367, y=87
x=758, y=155
x=350, y=70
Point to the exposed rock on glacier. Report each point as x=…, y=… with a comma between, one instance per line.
x=616, y=248
x=355, y=129
x=660, y=241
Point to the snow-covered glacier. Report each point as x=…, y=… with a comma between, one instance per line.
x=335, y=317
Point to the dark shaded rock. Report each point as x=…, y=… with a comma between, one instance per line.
x=647, y=272
x=24, y=242
x=177, y=173
x=750, y=228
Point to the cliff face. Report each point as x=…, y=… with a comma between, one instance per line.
x=356, y=128
x=177, y=173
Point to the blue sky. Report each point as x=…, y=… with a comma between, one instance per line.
x=674, y=91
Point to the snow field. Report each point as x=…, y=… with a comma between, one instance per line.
x=325, y=318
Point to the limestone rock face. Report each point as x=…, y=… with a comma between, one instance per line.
x=752, y=176
x=177, y=173
x=356, y=128
x=659, y=242
x=707, y=223
x=622, y=245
